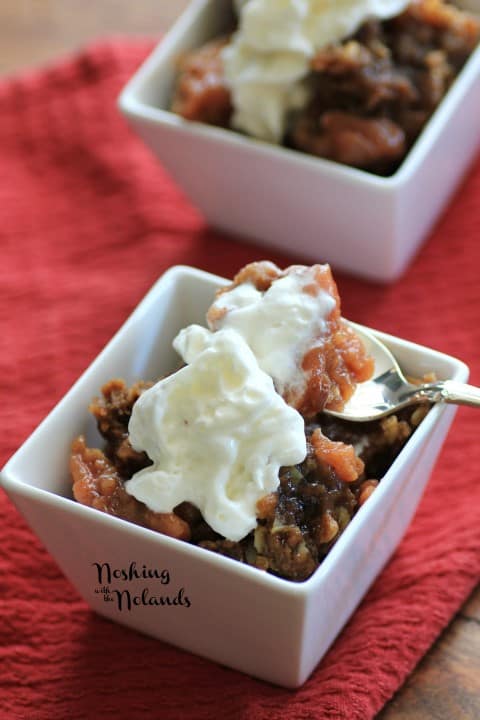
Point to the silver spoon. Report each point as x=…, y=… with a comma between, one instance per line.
x=389, y=390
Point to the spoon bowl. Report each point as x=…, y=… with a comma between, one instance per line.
x=389, y=390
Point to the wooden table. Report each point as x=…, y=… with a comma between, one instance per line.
x=446, y=684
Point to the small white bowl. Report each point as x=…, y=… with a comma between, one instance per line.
x=319, y=210
x=239, y=616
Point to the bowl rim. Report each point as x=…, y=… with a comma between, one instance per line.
x=132, y=107
x=10, y=477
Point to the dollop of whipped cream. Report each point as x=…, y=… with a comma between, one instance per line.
x=268, y=60
x=279, y=325
x=216, y=431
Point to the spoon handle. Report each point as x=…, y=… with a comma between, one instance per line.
x=450, y=391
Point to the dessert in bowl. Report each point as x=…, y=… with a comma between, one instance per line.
x=234, y=451
x=186, y=594
x=359, y=221
x=352, y=81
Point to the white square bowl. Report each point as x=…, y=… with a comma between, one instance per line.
x=322, y=211
x=281, y=629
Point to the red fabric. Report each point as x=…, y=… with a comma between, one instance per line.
x=88, y=221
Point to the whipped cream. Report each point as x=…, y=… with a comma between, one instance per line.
x=216, y=431
x=268, y=60
x=279, y=325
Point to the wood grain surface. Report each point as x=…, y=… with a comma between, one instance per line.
x=446, y=684
x=34, y=32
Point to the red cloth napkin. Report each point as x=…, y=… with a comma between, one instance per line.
x=88, y=221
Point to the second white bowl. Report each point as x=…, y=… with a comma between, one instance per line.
x=318, y=210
